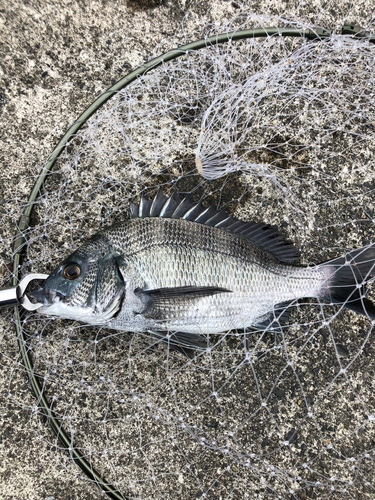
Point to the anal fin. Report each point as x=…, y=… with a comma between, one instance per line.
x=183, y=342
x=277, y=318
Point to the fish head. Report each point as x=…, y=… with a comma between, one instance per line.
x=86, y=286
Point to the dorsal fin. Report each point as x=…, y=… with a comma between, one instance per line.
x=265, y=236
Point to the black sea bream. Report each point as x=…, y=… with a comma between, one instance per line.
x=175, y=266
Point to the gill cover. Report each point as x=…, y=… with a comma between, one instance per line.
x=110, y=287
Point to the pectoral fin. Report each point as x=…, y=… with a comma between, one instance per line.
x=167, y=303
x=182, y=291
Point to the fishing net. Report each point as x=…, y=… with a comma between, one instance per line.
x=279, y=130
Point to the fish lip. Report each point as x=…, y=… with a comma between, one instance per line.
x=46, y=296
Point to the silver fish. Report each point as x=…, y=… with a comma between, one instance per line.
x=180, y=270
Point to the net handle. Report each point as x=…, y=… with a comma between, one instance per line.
x=24, y=222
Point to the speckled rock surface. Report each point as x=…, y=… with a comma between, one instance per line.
x=55, y=58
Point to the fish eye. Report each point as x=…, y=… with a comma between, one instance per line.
x=72, y=271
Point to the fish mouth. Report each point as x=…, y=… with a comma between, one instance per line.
x=46, y=296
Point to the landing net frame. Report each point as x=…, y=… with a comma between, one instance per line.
x=24, y=222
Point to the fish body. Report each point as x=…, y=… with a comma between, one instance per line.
x=176, y=266
x=158, y=253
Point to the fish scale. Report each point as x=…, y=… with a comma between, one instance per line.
x=168, y=253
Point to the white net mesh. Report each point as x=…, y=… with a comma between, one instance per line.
x=277, y=130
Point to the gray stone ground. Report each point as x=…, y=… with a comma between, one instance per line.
x=55, y=57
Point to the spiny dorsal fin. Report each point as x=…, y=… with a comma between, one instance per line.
x=265, y=236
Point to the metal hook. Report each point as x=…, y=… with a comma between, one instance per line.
x=15, y=296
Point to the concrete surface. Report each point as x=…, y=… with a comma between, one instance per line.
x=55, y=58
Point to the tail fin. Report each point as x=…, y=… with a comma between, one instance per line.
x=349, y=277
